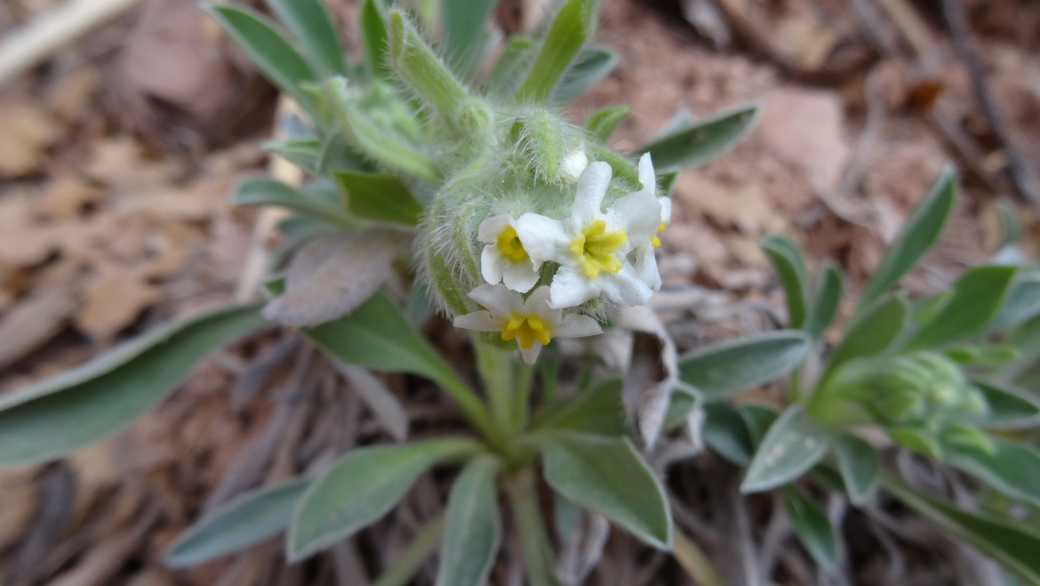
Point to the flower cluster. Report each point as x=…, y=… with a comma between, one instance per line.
x=597, y=254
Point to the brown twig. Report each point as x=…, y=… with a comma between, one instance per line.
x=1021, y=175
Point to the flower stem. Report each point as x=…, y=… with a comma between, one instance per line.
x=527, y=514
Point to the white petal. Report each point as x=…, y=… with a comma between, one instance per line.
x=577, y=326
x=646, y=268
x=490, y=228
x=538, y=301
x=570, y=288
x=480, y=321
x=531, y=354
x=592, y=186
x=544, y=239
x=495, y=298
x=647, y=178
x=625, y=287
x=519, y=276
x=637, y=213
x=491, y=264
x=666, y=209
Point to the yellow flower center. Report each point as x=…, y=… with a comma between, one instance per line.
x=509, y=245
x=595, y=247
x=528, y=328
x=655, y=240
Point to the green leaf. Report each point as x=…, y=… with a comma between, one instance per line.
x=590, y=66
x=918, y=440
x=268, y=49
x=251, y=518
x=608, y=476
x=790, y=267
x=598, y=410
x=473, y=530
x=63, y=413
x=859, y=464
x=378, y=196
x=463, y=22
x=758, y=419
x=1022, y=304
x=377, y=335
x=372, y=21
x=919, y=234
x=725, y=432
x=312, y=26
x=407, y=564
x=1009, y=407
x=1011, y=468
x=826, y=301
x=977, y=296
x=518, y=52
x=602, y=123
x=530, y=524
x=793, y=445
x=720, y=370
x=871, y=335
x=681, y=403
x=375, y=142
x=573, y=25
x=703, y=140
x=812, y=526
x=305, y=153
x=416, y=64
x=337, y=155
x=263, y=191
x=362, y=487
x=1010, y=543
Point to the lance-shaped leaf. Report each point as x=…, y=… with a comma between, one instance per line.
x=1011, y=468
x=812, y=526
x=598, y=410
x=703, y=140
x=602, y=123
x=721, y=370
x=373, y=141
x=1009, y=407
x=473, y=529
x=871, y=335
x=1010, y=543
x=305, y=153
x=681, y=403
x=977, y=296
x=826, y=301
x=517, y=54
x=608, y=476
x=372, y=24
x=573, y=25
x=726, y=433
x=361, y=488
x=312, y=26
x=1022, y=304
x=267, y=48
x=464, y=23
x=590, y=66
x=262, y=191
x=378, y=196
x=793, y=445
x=919, y=234
x=58, y=415
x=859, y=464
x=248, y=519
x=758, y=419
x=790, y=267
x=377, y=335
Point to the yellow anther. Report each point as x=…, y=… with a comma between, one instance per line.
x=595, y=249
x=529, y=327
x=655, y=240
x=509, y=245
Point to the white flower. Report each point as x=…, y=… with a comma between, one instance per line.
x=532, y=322
x=504, y=259
x=645, y=262
x=591, y=246
x=574, y=164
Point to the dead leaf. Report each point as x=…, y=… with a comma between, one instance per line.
x=33, y=322
x=744, y=207
x=379, y=399
x=333, y=275
x=805, y=128
x=19, y=493
x=652, y=373
x=73, y=92
x=65, y=197
x=113, y=300
x=583, y=549
x=23, y=243
x=26, y=131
